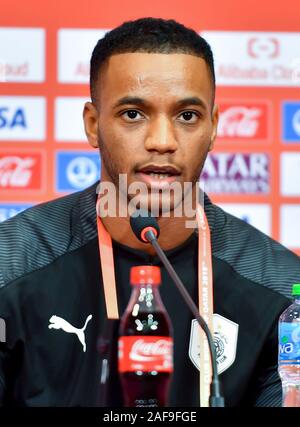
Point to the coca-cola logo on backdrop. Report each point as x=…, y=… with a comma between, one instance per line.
x=21, y=171
x=244, y=121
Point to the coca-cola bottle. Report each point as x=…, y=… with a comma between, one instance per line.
x=145, y=342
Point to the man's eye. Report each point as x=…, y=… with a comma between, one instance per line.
x=132, y=115
x=189, y=116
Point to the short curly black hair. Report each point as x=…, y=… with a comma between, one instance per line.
x=150, y=35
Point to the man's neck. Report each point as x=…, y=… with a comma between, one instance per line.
x=173, y=232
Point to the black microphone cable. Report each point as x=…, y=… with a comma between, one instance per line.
x=146, y=229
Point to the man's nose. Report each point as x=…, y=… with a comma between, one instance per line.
x=161, y=136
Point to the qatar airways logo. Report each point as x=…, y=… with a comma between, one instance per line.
x=245, y=58
x=248, y=121
x=20, y=171
x=237, y=173
x=143, y=351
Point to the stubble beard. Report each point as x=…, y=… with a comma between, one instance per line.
x=113, y=173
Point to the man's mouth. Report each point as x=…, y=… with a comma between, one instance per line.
x=158, y=176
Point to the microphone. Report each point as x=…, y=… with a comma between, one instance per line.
x=144, y=225
x=146, y=229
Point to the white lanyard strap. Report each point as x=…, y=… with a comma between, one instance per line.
x=205, y=302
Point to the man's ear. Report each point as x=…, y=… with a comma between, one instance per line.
x=90, y=118
x=215, y=120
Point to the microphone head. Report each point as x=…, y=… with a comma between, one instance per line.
x=142, y=221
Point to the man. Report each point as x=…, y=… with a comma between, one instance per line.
x=153, y=118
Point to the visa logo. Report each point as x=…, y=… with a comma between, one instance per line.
x=76, y=170
x=9, y=210
x=291, y=121
x=12, y=118
x=22, y=118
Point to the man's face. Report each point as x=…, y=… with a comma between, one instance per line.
x=155, y=120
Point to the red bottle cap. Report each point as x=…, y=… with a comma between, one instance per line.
x=144, y=274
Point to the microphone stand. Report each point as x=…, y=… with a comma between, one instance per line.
x=215, y=399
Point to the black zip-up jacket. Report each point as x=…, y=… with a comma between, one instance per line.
x=52, y=303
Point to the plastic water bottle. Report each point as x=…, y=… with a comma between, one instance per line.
x=289, y=351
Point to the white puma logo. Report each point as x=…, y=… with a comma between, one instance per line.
x=57, y=322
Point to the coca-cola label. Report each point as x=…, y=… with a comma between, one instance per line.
x=20, y=171
x=148, y=353
x=246, y=121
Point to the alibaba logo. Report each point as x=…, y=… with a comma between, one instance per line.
x=263, y=47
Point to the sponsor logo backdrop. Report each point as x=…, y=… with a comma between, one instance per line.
x=254, y=170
